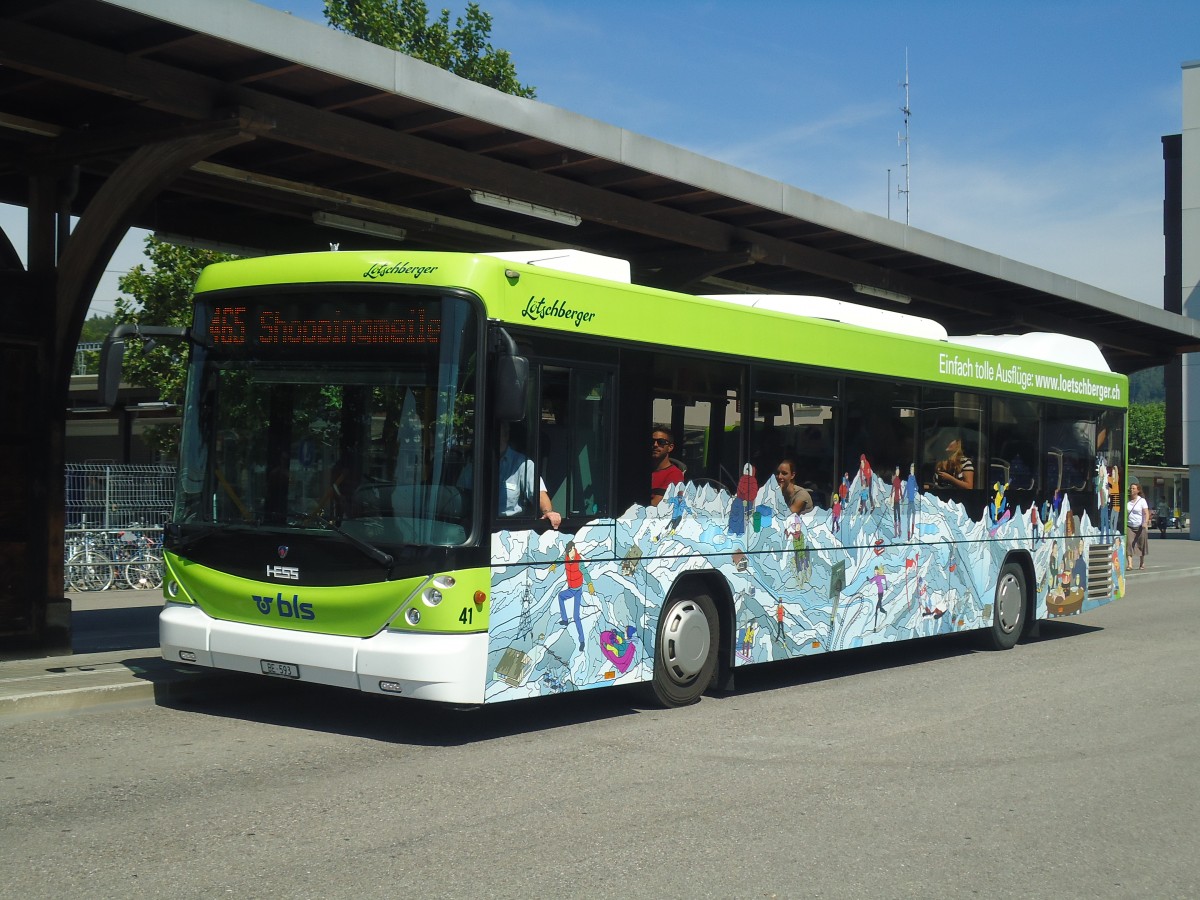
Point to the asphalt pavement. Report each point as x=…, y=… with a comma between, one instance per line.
x=116, y=659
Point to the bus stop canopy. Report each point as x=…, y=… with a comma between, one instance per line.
x=330, y=137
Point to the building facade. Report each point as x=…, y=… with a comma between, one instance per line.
x=1190, y=274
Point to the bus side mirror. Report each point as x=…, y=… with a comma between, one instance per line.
x=510, y=379
x=112, y=354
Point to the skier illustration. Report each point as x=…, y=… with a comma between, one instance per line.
x=618, y=648
x=998, y=509
x=747, y=490
x=678, y=508
x=879, y=579
x=897, y=496
x=794, y=530
x=748, y=639
x=865, y=496
x=912, y=495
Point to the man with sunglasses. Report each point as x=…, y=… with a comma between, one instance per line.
x=663, y=471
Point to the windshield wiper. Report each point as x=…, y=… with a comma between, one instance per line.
x=176, y=542
x=382, y=557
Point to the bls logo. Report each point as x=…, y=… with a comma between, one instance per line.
x=285, y=609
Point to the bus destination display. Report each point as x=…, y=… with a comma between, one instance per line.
x=241, y=326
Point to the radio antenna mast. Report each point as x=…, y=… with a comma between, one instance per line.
x=903, y=139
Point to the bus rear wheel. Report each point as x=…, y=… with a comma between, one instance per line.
x=685, y=655
x=1009, y=609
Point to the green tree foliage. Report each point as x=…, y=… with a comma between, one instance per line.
x=97, y=328
x=1147, y=426
x=404, y=25
x=1147, y=386
x=160, y=296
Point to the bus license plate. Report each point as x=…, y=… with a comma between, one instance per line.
x=282, y=669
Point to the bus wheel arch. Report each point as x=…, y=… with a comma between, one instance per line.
x=1012, y=606
x=692, y=641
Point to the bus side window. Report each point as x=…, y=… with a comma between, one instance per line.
x=795, y=415
x=801, y=432
x=699, y=403
x=1014, y=459
x=1070, y=443
x=954, y=450
x=575, y=424
x=881, y=432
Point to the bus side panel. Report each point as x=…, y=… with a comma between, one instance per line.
x=567, y=610
x=575, y=611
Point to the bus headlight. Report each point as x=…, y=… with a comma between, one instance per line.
x=413, y=616
x=432, y=597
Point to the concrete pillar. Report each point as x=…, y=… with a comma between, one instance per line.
x=1190, y=270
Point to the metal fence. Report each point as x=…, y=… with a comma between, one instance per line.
x=108, y=496
x=87, y=358
x=114, y=519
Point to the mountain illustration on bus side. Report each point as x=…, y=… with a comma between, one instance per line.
x=834, y=578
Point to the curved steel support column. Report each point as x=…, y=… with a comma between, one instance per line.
x=107, y=218
x=71, y=283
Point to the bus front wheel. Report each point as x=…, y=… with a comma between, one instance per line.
x=1009, y=610
x=685, y=655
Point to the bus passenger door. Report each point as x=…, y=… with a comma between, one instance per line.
x=574, y=424
x=556, y=592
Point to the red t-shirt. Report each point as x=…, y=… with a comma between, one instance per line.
x=661, y=479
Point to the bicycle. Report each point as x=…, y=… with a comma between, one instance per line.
x=86, y=567
x=140, y=568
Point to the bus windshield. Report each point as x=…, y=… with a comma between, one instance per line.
x=344, y=411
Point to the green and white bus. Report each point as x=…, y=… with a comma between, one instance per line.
x=373, y=442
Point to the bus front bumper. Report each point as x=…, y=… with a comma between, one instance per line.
x=449, y=668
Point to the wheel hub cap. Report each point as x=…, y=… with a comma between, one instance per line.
x=686, y=640
x=1008, y=603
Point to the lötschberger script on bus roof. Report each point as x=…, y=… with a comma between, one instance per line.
x=538, y=308
x=379, y=270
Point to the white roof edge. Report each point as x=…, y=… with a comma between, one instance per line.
x=577, y=262
x=1064, y=349
x=813, y=307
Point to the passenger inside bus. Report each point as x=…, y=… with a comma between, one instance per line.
x=664, y=471
x=957, y=469
x=515, y=477
x=798, y=498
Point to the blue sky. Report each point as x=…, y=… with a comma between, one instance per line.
x=1035, y=128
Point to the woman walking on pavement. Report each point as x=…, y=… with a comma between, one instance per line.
x=1138, y=512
